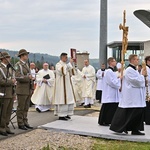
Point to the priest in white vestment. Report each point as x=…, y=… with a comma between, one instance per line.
x=44, y=92
x=110, y=94
x=118, y=72
x=129, y=115
x=89, y=81
x=32, y=70
x=64, y=97
x=77, y=82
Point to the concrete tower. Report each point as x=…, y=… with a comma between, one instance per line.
x=103, y=32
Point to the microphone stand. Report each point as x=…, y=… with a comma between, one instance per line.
x=9, y=65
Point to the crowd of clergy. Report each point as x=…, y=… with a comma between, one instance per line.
x=122, y=92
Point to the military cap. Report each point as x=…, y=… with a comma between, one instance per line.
x=4, y=55
x=22, y=52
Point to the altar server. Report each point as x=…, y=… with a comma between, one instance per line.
x=110, y=94
x=100, y=76
x=129, y=114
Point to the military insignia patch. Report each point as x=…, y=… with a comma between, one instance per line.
x=16, y=67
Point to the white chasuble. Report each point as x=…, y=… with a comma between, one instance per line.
x=77, y=82
x=64, y=93
x=88, y=90
x=44, y=92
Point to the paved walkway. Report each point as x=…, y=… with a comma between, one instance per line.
x=36, y=119
x=88, y=126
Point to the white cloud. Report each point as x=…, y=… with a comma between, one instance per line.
x=53, y=26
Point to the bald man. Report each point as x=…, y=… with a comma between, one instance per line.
x=88, y=74
x=43, y=94
x=32, y=70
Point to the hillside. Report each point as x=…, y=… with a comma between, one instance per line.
x=39, y=57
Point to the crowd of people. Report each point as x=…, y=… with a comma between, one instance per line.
x=125, y=97
x=122, y=93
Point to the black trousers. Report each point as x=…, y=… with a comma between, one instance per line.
x=98, y=95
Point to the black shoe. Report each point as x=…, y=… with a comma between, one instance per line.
x=38, y=110
x=22, y=127
x=137, y=133
x=87, y=106
x=81, y=104
x=63, y=118
x=104, y=124
x=68, y=117
x=9, y=132
x=3, y=133
x=28, y=126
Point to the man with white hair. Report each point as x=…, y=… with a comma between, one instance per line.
x=32, y=70
x=118, y=72
x=44, y=91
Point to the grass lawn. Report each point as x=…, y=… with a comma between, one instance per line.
x=102, y=144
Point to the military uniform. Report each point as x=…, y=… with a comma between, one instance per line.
x=6, y=87
x=23, y=90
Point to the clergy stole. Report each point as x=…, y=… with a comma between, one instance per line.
x=64, y=83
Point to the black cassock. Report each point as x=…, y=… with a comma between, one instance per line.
x=128, y=119
x=106, y=113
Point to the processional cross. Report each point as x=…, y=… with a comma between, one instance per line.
x=124, y=38
x=124, y=42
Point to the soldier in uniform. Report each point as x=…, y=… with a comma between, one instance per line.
x=23, y=89
x=6, y=87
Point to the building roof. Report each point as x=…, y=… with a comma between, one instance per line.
x=144, y=16
x=130, y=43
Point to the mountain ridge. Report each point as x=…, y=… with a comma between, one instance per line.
x=43, y=57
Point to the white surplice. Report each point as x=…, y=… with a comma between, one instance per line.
x=44, y=92
x=133, y=89
x=100, y=74
x=111, y=85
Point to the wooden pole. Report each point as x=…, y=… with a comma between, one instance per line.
x=124, y=42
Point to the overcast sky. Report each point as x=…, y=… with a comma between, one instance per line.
x=55, y=26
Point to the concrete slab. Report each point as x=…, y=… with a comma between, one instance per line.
x=88, y=126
